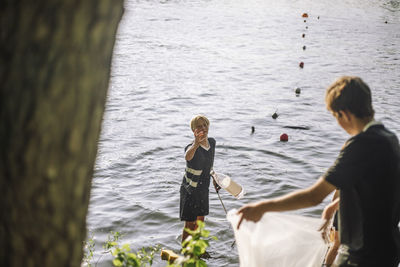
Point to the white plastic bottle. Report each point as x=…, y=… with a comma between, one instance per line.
x=228, y=184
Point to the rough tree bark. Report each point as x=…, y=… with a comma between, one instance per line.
x=55, y=59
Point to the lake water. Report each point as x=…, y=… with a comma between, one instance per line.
x=237, y=62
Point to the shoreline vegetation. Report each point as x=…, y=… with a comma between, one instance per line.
x=192, y=252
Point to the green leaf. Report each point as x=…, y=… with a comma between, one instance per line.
x=205, y=233
x=190, y=231
x=114, y=252
x=202, y=243
x=131, y=255
x=133, y=262
x=117, y=262
x=201, y=263
x=200, y=224
x=126, y=247
x=191, y=264
x=197, y=250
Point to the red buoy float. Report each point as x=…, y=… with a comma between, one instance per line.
x=284, y=137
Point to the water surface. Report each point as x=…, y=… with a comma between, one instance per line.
x=237, y=62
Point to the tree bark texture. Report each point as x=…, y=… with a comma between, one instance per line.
x=55, y=60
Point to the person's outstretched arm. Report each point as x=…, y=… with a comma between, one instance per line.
x=296, y=200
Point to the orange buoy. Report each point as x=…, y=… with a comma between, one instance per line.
x=305, y=15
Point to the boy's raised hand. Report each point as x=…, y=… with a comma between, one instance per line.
x=199, y=136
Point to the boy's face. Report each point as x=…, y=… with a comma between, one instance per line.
x=202, y=127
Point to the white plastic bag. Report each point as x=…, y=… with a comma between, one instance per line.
x=279, y=240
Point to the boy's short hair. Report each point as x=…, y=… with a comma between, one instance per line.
x=352, y=94
x=196, y=119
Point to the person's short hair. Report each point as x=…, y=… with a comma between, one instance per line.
x=352, y=94
x=196, y=119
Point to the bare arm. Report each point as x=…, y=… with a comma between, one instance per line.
x=198, y=138
x=191, y=150
x=296, y=200
x=330, y=209
x=327, y=215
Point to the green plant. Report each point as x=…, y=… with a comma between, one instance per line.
x=194, y=247
x=89, y=250
x=112, y=241
x=122, y=255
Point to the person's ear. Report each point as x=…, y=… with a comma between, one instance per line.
x=346, y=115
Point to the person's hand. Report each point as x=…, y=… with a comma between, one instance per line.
x=327, y=215
x=199, y=136
x=250, y=212
x=216, y=185
x=325, y=230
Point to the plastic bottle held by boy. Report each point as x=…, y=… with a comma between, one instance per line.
x=228, y=184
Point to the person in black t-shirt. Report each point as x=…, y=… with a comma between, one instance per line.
x=199, y=156
x=367, y=173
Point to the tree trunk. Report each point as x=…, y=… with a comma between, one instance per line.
x=55, y=59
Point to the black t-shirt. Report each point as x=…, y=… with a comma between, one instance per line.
x=367, y=172
x=199, y=167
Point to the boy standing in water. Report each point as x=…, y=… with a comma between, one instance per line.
x=367, y=173
x=199, y=156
